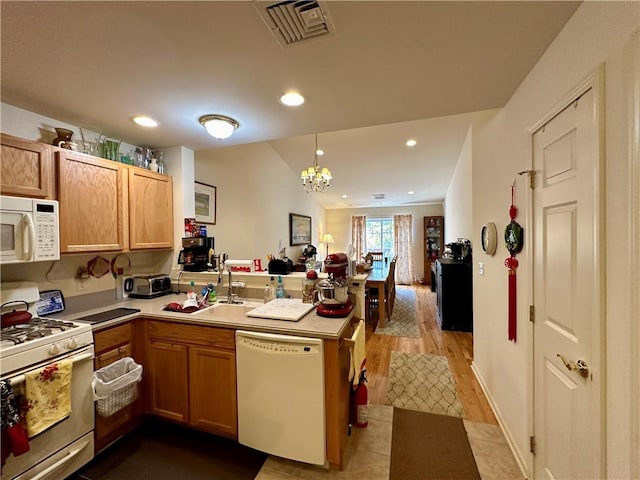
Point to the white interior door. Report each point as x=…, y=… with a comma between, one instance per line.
x=567, y=293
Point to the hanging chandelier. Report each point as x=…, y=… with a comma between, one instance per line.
x=314, y=178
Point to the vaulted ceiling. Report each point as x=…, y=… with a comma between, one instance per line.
x=387, y=72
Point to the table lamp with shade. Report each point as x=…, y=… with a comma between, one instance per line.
x=327, y=238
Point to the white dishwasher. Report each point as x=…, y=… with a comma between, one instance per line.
x=281, y=395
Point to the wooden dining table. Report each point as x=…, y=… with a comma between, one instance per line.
x=378, y=276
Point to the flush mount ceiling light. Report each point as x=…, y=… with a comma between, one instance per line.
x=145, y=121
x=411, y=143
x=314, y=178
x=292, y=99
x=219, y=126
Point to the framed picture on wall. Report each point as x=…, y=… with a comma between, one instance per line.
x=299, y=229
x=205, y=198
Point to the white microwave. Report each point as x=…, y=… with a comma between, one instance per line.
x=29, y=230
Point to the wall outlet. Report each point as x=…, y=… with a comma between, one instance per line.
x=175, y=273
x=480, y=268
x=82, y=276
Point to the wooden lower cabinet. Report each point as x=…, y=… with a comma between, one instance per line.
x=111, y=345
x=192, y=376
x=168, y=380
x=189, y=377
x=212, y=390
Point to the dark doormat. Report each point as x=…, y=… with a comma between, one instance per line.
x=430, y=446
x=159, y=450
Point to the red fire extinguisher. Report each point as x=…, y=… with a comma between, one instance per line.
x=360, y=400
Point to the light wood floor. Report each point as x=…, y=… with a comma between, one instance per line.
x=456, y=346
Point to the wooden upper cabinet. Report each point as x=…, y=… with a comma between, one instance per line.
x=26, y=168
x=90, y=192
x=150, y=210
x=105, y=206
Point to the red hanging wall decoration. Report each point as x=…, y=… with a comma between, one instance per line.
x=513, y=238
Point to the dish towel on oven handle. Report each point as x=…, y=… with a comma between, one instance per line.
x=358, y=354
x=48, y=396
x=14, y=436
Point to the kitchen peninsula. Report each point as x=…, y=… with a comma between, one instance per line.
x=189, y=364
x=254, y=283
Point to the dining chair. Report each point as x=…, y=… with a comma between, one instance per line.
x=391, y=288
x=376, y=256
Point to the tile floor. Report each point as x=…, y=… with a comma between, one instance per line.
x=369, y=449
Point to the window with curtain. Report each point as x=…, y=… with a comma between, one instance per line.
x=379, y=236
x=403, y=239
x=358, y=224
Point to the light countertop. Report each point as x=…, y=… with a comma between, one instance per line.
x=220, y=315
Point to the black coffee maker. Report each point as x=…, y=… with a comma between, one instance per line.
x=197, y=254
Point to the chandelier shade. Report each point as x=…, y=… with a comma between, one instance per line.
x=315, y=178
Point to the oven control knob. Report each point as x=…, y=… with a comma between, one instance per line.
x=72, y=343
x=53, y=349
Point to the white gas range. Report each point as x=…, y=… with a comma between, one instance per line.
x=26, y=347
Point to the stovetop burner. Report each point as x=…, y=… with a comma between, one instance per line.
x=33, y=329
x=41, y=339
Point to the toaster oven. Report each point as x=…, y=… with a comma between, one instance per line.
x=148, y=285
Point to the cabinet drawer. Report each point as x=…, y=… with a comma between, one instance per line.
x=192, y=334
x=112, y=337
x=111, y=356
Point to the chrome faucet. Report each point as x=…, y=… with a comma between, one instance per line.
x=231, y=297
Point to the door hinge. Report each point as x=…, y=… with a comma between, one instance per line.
x=532, y=313
x=532, y=444
x=532, y=177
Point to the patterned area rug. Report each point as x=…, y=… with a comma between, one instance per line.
x=422, y=382
x=403, y=321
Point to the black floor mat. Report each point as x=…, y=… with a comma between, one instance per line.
x=158, y=450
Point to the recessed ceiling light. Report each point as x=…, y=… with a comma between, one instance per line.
x=345, y=196
x=145, y=121
x=411, y=143
x=319, y=152
x=410, y=192
x=292, y=99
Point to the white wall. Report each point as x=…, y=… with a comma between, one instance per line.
x=458, y=205
x=33, y=126
x=256, y=191
x=596, y=33
x=339, y=225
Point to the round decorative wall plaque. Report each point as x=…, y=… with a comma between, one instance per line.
x=489, y=238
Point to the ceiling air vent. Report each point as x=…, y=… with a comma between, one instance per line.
x=294, y=21
x=378, y=196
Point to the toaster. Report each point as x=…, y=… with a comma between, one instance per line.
x=148, y=285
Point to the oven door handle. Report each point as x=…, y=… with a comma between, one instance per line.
x=69, y=456
x=79, y=358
